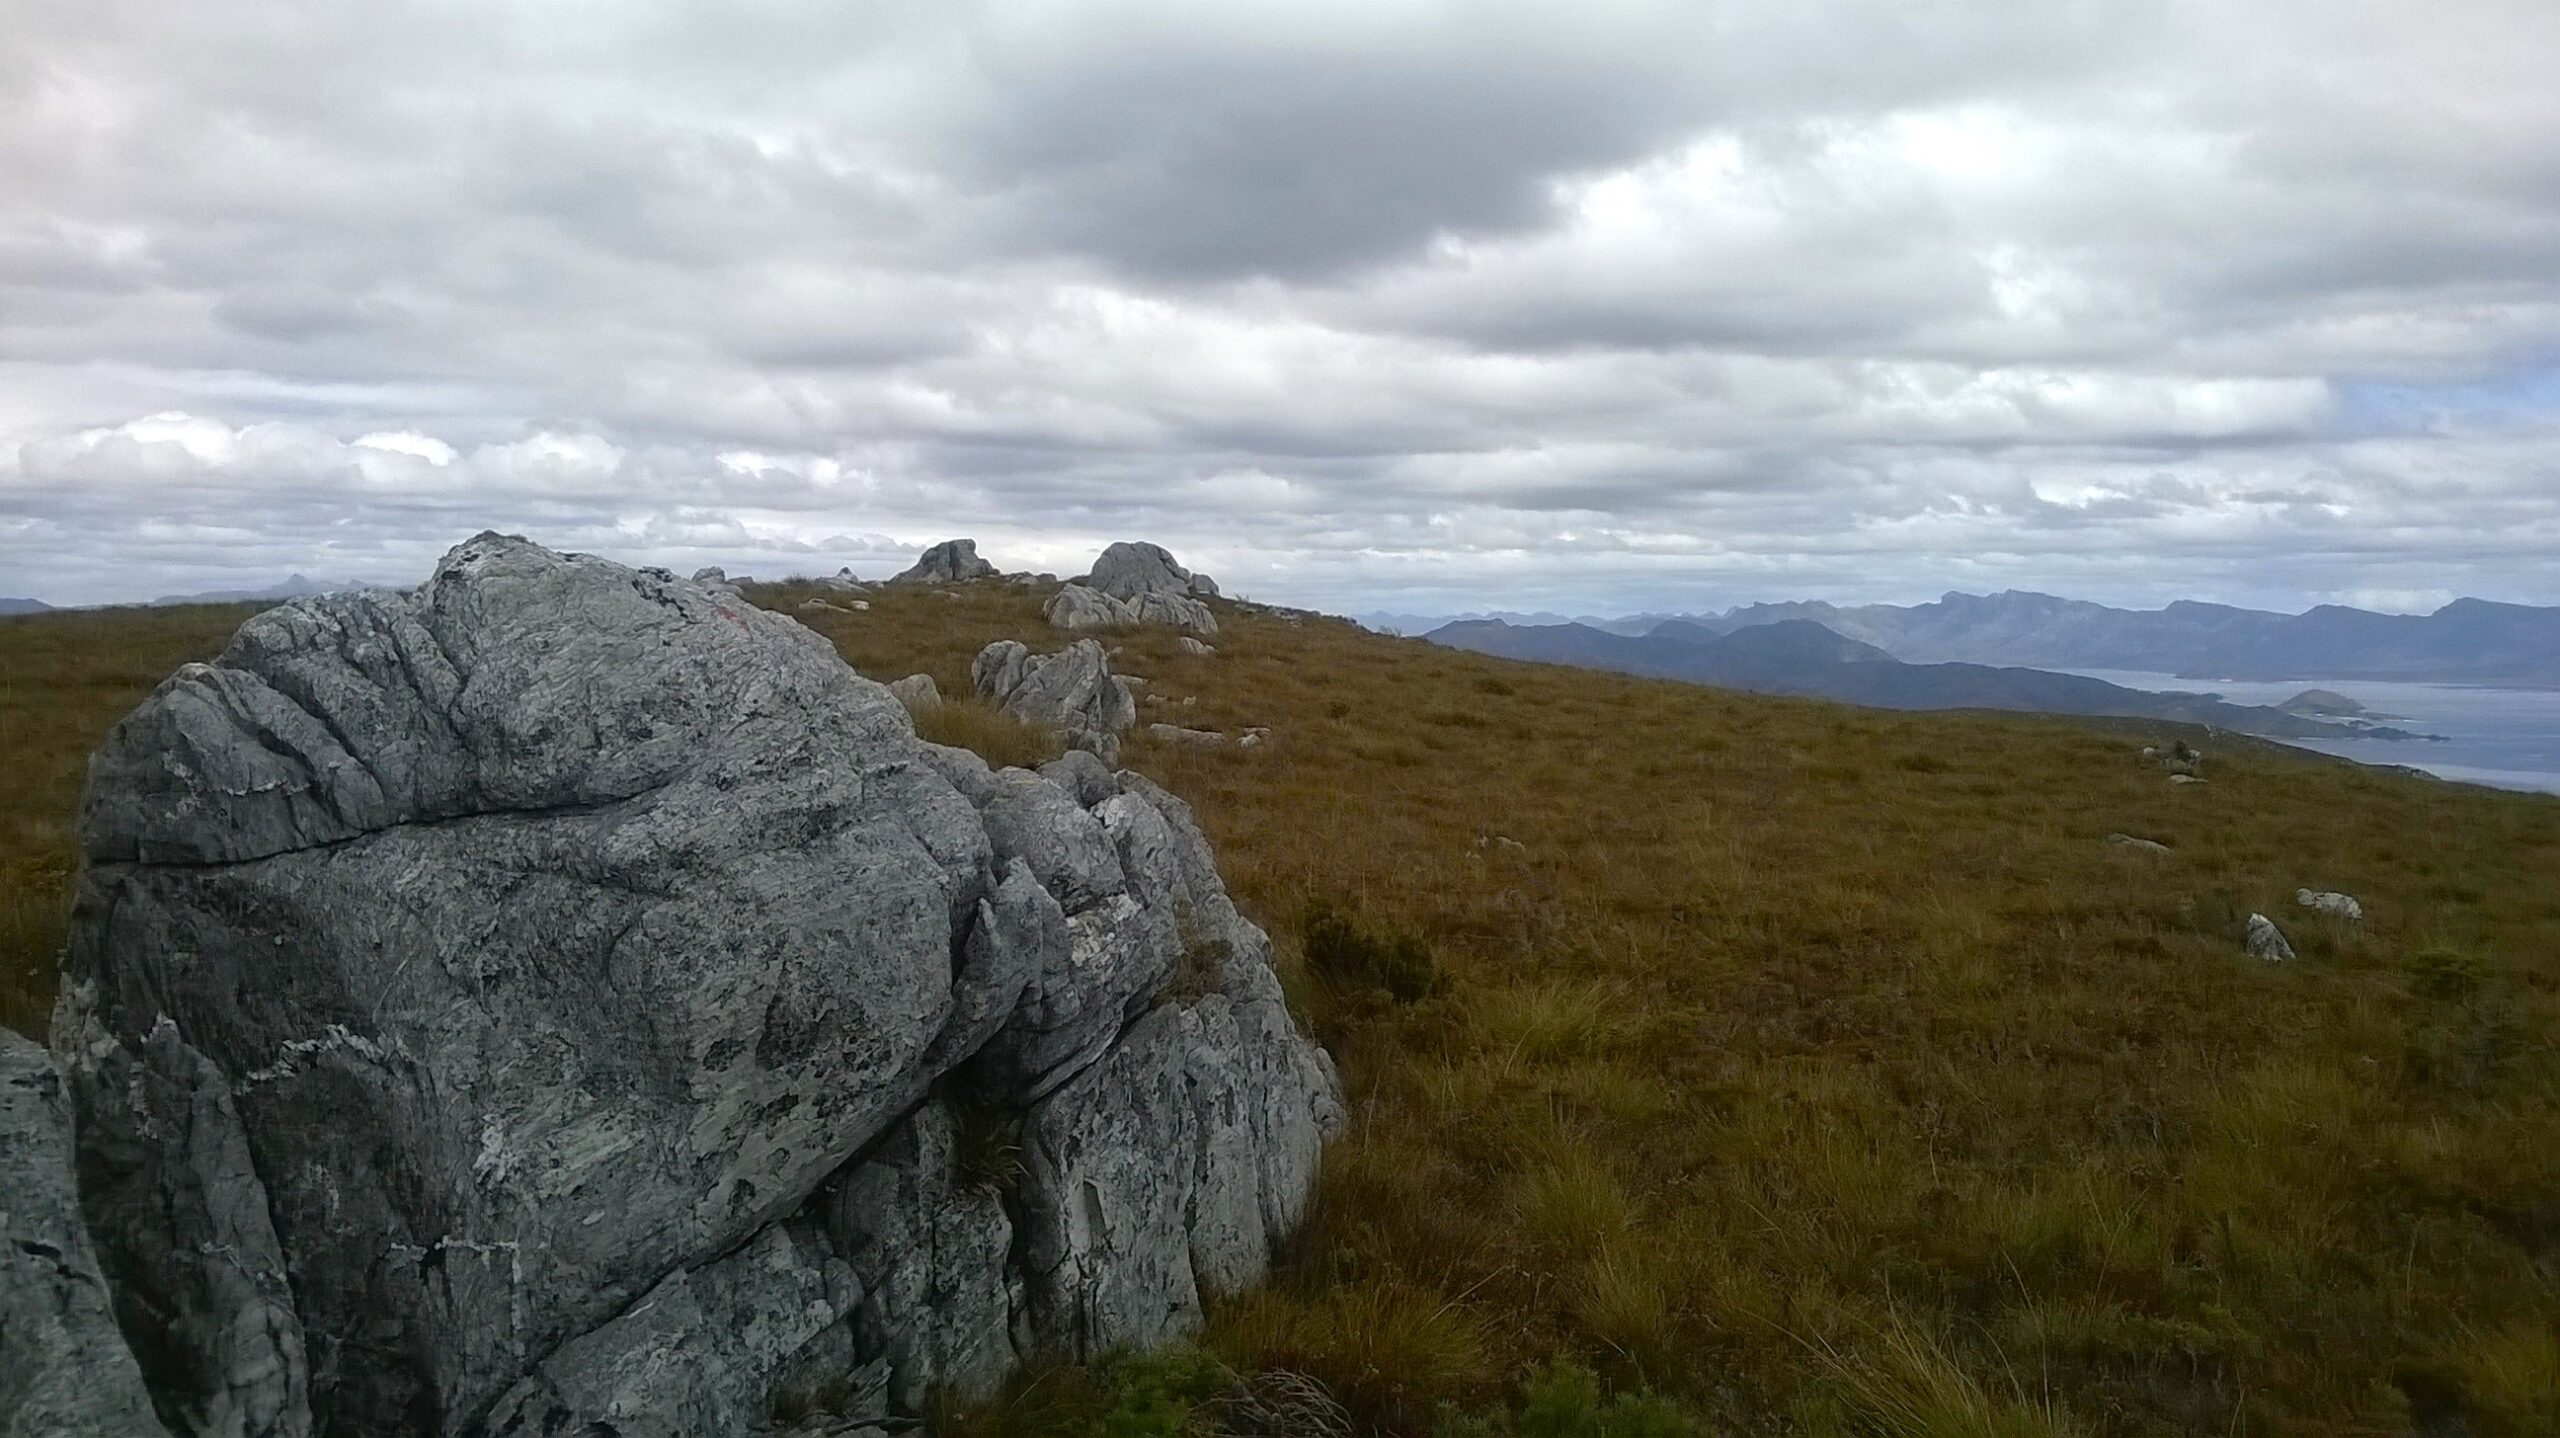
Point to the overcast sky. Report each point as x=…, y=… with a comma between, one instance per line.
x=1367, y=304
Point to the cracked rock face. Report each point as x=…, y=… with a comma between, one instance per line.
x=65, y=1369
x=539, y=1002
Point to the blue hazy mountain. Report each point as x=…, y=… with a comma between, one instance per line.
x=1799, y=656
x=2469, y=641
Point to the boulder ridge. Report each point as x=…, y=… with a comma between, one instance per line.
x=550, y=1001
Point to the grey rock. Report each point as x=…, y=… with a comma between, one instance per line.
x=843, y=582
x=1175, y=610
x=549, y=971
x=949, y=562
x=1071, y=691
x=711, y=574
x=1039, y=824
x=180, y=1221
x=1195, y=647
x=933, y=1249
x=2335, y=905
x=1120, y=1245
x=2265, y=941
x=1180, y=737
x=714, y=1349
x=1129, y=569
x=821, y=606
x=1077, y=608
x=681, y=1018
x=2184, y=779
x=1082, y=775
x=918, y=693
x=64, y=1368
x=2148, y=846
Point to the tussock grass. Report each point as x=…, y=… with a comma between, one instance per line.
x=1807, y=1069
x=997, y=737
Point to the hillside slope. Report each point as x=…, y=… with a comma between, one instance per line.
x=1818, y=1070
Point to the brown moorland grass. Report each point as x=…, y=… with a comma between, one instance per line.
x=1820, y=1070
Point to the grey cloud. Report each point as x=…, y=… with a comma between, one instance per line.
x=1618, y=299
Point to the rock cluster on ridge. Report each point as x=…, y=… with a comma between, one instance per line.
x=1131, y=568
x=550, y=1003
x=949, y=562
x=1134, y=584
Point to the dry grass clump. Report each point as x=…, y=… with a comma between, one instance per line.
x=995, y=736
x=1797, y=1068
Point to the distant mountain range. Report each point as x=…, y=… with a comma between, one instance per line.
x=293, y=587
x=9, y=605
x=2470, y=641
x=1799, y=656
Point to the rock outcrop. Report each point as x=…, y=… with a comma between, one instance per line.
x=1127, y=570
x=549, y=1003
x=949, y=562
x=64, y=1369
x=1078, y=608
x=1071, y=691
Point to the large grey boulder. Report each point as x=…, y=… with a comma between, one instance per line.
x=1071, y=691
x=64, y=1369
x=1129, y=569
x=530, y=966
x=949, y=562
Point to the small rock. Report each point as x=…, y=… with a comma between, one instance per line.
x=919, y=693
x=2184, y=779
x=1194, y=646
x=1187, y=738
x=2335, y=905
x=2266, y=942
x=821, y=606
x=2151, y=846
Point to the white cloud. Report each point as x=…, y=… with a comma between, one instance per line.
x=1632, y=302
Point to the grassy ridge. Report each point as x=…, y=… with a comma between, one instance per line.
x=1815, y=1070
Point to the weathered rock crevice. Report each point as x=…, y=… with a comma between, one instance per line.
x=569, y=999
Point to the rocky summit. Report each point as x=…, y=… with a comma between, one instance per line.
x=561, y=1000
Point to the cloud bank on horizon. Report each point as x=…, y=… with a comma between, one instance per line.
x=1377, y=304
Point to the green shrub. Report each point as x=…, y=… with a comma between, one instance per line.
x=1343, y=952
x=1566, y=1400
